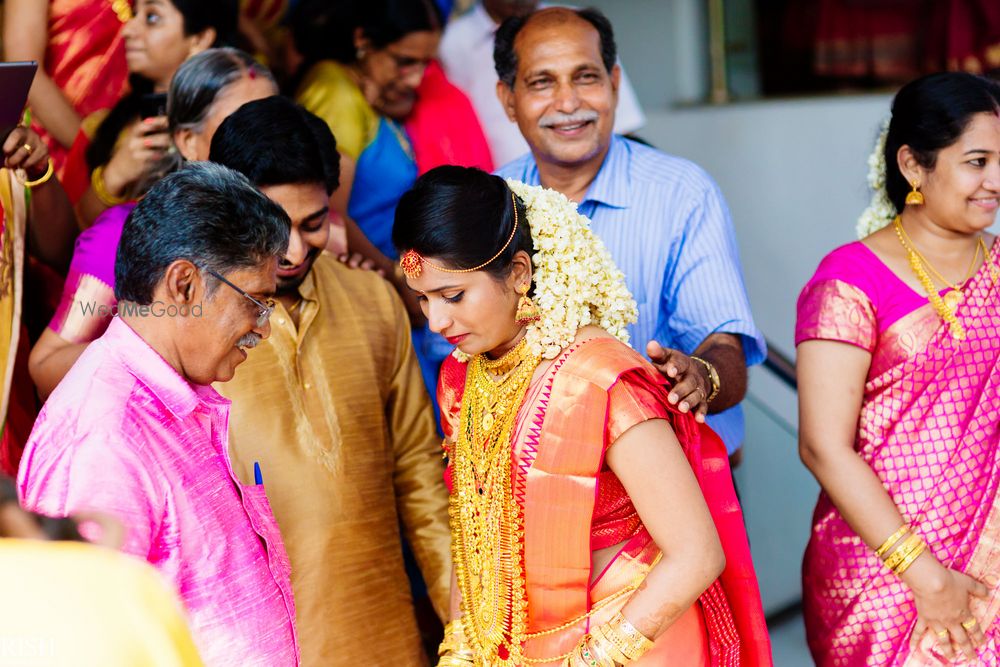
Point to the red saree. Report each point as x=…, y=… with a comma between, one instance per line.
x=85, y=58
x=443, y=126
x=571, y=503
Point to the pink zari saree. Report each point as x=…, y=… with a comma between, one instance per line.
x=929, y=429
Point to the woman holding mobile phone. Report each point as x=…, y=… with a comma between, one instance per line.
x=115, y=149
x=80, y=50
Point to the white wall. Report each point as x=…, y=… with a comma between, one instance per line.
x=793, y=172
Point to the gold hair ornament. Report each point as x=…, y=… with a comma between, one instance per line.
x=412, y=262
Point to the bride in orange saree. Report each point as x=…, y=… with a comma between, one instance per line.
x=592, y=523
x=899, y=370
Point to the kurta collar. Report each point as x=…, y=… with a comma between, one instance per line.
x=179, y=395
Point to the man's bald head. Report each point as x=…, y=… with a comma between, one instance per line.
x=505, y=51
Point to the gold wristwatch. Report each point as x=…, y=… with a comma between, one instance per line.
x=713, y=376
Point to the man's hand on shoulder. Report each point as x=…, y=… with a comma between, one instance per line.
x=689, y=380
x=356, y=260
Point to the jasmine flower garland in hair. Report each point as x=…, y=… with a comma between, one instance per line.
x=880, y=211
x=576, y=281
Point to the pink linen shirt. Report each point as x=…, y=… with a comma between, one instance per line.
x=125, y=435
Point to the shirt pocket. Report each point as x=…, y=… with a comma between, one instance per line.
x=262, y=519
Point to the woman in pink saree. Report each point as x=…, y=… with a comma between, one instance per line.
x=899, y=375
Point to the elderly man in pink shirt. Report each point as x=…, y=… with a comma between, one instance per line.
x=134, y=430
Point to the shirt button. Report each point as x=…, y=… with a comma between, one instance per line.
x=281, y=320
x=307, y=385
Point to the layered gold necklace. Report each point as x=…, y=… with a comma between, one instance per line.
x=946, y=306
x=487, y=523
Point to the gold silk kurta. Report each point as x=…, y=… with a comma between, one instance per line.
x=337, y=416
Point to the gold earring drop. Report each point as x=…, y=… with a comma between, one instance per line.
x=527, y=310
x=915, y=196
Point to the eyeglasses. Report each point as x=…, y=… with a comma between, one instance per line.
x=265, y=309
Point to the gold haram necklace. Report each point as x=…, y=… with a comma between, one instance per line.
x=946, y=306
x=486, y=520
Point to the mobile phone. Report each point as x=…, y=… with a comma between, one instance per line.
x=15, y=82
x=153, y=104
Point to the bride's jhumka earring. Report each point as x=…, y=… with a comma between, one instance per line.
x=527, y=310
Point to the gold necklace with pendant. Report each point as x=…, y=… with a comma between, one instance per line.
x=487, y=523
x=955, y=292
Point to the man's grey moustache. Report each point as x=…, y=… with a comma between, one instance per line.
x=249, y=341
x=569, y=119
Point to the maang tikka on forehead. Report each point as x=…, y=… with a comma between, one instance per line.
x=412, y=263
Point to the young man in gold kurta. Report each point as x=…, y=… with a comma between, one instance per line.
x=333, y=413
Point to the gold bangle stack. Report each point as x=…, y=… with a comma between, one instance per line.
x=454, y=650
x=101, y=189
x=902, y=557
x=891, y=542
x=615, y=643
x=588, y=653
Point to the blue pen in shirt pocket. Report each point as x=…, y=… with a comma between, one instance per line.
x=258, y=478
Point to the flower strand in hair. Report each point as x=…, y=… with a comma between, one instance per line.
x=880, y=212
x=576, y=281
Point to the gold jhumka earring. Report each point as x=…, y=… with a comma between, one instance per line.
x=527, y=310
x=915, y=197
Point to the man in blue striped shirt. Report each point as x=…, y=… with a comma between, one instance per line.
x=663, y=218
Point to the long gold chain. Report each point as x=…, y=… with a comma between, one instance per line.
x=946, y=311
x=487, y=523
x=911, y=246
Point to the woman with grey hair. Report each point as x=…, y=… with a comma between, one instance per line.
x=206, y=89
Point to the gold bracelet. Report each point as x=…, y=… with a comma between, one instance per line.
x=603, y=645
x=38, y=181
x=455, y=643
x=587, y=654
x=910, y=558
x=627, y=637
x=101, y=189
x=713, y=376
x=891, y=542
x=897, y=556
